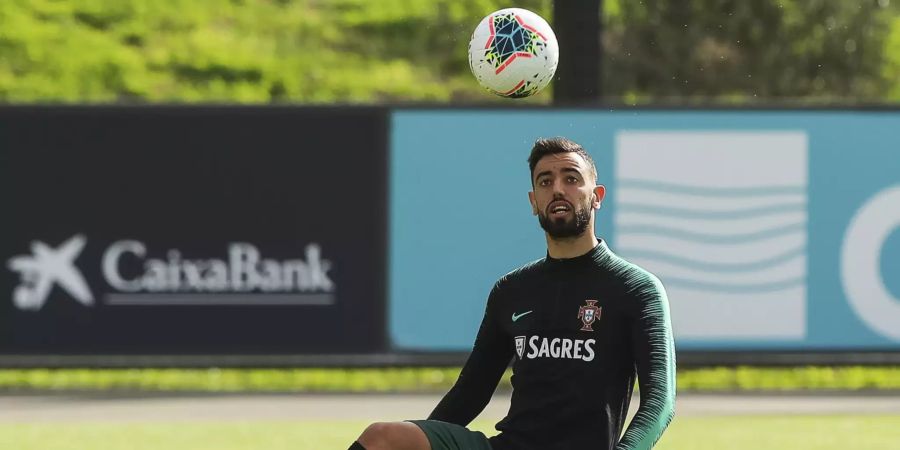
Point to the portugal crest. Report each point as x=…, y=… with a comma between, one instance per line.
x=588, y=314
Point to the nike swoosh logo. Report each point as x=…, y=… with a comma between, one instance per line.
x=516, y=317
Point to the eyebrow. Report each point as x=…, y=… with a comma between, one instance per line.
x=565, y=169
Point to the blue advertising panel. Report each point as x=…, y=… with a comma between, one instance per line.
x=771, y=230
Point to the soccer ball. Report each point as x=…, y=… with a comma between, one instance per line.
x=513, y=53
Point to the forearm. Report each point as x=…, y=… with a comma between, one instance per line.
x=657, y=408
x=473, y=389
x=654, y=347
x=463, y=402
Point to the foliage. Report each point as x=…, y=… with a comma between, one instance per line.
x=733, y=50
x=367, y=51
x=892, y=64
x=244, y=51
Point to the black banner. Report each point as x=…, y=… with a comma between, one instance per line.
x=170, y=230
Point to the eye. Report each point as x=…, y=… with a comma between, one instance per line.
x=572, y=179
x=544, y=182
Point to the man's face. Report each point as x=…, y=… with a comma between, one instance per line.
x=565, y=194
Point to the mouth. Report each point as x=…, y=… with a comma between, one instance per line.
x=559, y=208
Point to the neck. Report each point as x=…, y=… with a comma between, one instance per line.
x=571, y=247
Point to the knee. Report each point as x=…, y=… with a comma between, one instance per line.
x=376, y=435
x=394, y=436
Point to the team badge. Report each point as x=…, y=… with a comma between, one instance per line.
x=520, y=345
x=588, y=314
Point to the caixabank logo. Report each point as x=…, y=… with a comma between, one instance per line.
x=47, y=267
x=134, y=274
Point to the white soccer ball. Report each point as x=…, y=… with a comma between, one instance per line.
x=513, y=53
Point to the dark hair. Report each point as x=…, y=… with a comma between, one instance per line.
x=549, y=146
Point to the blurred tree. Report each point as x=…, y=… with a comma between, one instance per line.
x=240, y=51
x=738, y=50
x=892, y=61
x=366, y=51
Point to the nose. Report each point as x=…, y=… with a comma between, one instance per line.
x=558, y=190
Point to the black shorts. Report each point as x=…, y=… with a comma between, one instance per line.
x=449, y=436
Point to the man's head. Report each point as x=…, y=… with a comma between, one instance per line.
x=564, y=187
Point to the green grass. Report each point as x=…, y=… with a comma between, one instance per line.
x=421, y=379
x=694, y=433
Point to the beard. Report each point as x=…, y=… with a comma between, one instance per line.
x=563, y=227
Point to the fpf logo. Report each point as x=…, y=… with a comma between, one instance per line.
x=588, y=314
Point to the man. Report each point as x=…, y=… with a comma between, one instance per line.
x=578, y=324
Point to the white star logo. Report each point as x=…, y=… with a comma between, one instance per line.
x=48, y=266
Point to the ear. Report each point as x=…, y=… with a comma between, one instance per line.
x=534, y=210
x=599, y=194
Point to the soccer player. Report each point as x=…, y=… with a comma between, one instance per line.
x=579, y=325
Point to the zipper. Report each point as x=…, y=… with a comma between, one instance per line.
x=557, y=299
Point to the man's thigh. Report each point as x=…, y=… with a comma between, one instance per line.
x=449, y=436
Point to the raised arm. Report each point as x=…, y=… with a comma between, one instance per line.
x=655, y=363
x=479, y=377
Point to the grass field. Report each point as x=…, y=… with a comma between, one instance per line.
x=688, y=432
x=693, y=433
